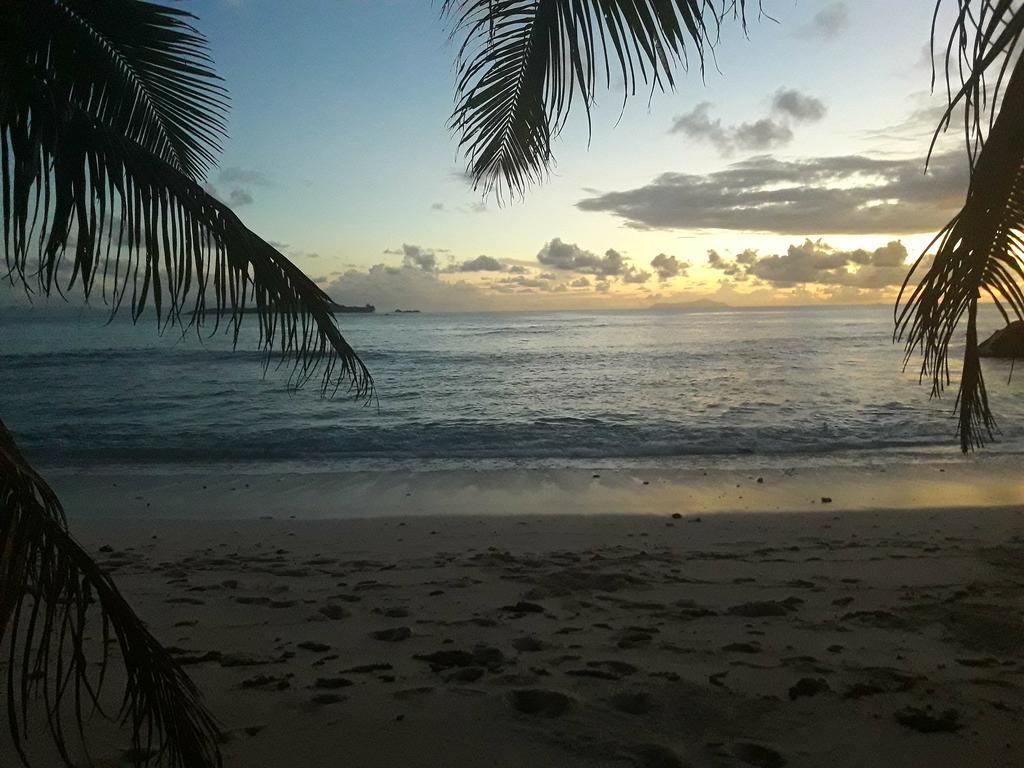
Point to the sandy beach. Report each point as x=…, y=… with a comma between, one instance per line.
x=836, y=636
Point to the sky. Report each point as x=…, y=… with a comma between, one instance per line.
x=792, y=173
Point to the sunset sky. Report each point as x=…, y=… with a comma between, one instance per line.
x=793, y=174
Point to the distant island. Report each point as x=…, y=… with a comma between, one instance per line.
x=342, y=308
x=700, y=305
x=406, y=312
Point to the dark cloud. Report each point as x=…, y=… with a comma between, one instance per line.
x=760, y=135
x=421, y=258
x=815, y=262
x=481, y=263
x=851, y=194
x=830, y=22
x=770, y=132
x=798, y=106
x=668, y=266
x=569, y=257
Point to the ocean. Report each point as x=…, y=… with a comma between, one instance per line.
x=779, y=387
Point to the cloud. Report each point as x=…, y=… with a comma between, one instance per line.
x=816, y=262
x=849, y=194
x=635, y=275
x=770, y=132
x=481, y=263
x=668, y=266
x=437, y=206
x=760, y=135
x=239, y=197
x=247, y=176
x=405, y=287
x=416, y=256
x=830, y=22
x=798, y=106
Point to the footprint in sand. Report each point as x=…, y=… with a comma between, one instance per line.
x=540, y=702
x=758, y=755
x=633, y=702
x=392, y=635
x=655, y=756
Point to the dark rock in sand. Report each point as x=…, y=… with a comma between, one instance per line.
x=808, y=686
x=539, y=702
x=923, y=721
x=1006, y=342
x=392, y=635
x=315, y=647
x=758, y=755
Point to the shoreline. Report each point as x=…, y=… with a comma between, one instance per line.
x=202, y=493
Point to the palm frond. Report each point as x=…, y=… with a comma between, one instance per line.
x=979, y=253
x=138, y=67
x=522, y=63
x=147, y=233
x=52, y=596
x=977, y=55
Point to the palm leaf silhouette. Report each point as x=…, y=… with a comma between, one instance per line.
x=50, y=594
x=110, y=115
x=522, y=64
x=979, y=252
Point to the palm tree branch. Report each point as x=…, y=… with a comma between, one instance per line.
x=139, y=67
x=522, y=63
x=980, y=251
x=150, y=234
x=52, y=595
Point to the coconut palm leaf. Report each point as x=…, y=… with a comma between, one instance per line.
x=139, y=67
x=981, y=251
x=52, y=597
x=522, y=63
x=110, y=114
x=108, y=110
